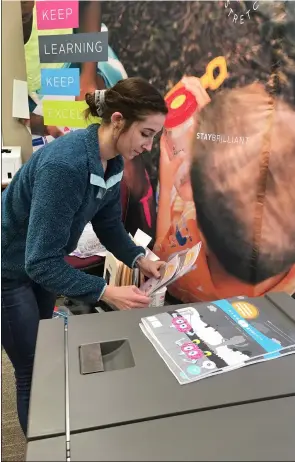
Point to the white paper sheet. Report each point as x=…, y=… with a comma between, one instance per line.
x=142, y=239
x=89, y=245
x=20, y=104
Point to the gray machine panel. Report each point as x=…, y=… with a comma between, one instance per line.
x=47, y=404
x=261, y=431
x=47, y=449
x=283, y=302
x=149, y=389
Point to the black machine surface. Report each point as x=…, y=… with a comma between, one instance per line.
x=104, y=406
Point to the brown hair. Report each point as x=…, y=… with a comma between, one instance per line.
x=244, y=192
x=134, y=98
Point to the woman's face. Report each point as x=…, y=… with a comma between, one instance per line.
x=140, y=136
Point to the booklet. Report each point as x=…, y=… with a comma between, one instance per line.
x=187, y=259
x=176, y=267
x=199, y=341
x=167, y=271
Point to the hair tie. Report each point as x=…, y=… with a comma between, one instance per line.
x=99, y=99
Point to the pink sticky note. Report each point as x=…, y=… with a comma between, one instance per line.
x=57, y=15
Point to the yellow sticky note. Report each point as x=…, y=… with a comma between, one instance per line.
x=66, y=114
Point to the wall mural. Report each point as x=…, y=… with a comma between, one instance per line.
x=222, y=170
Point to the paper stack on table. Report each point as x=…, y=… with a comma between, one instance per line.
x=212, y=338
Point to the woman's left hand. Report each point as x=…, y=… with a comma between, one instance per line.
x=150, y=268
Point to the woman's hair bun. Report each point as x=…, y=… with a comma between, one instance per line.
x=134, y=98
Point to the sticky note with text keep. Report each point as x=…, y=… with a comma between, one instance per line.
x=60, y=82
x=57, y=14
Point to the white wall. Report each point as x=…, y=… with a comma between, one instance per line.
x=13, y=67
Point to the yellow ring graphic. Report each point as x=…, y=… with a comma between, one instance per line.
x=178, y=101
x=208, y=80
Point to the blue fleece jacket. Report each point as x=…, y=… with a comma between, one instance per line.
x=46, y=207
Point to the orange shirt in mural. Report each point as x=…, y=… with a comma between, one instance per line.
x=177, y=227
x=208, y=280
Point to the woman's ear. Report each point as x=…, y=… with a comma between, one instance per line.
x=117, y=119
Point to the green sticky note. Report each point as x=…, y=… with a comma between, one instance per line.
x=67, y=114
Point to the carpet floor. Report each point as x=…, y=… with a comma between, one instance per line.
x=13, y=440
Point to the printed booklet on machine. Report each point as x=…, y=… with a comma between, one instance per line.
x=217, y=337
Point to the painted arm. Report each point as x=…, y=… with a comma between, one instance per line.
x=90, y=21
x=168, y=170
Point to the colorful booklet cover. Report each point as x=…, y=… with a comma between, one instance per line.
x=167, y=272
x=177, y=266
x=187, y=259
x=198, y=342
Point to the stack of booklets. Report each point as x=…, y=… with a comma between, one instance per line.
x=199, y=341
x=118, y=274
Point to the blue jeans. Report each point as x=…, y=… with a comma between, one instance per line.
x=23, y=305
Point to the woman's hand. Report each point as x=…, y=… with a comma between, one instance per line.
x=150, y=268
x=125, y=297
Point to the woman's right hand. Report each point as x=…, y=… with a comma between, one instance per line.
x=125, y=297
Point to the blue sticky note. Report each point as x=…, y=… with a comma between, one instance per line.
x=65, y=82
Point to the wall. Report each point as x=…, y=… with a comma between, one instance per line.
x=13, y=67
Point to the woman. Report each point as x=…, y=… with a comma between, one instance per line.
x=66, y=184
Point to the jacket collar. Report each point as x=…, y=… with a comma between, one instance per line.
x=115, y=166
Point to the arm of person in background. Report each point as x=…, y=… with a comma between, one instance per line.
x=38, y=128
x=36, y=123
x=90, y=21
x=111, y=232
x=167, y=171
x=169, y=168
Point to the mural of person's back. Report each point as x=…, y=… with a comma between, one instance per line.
x=235, y=200
x=256, y=40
